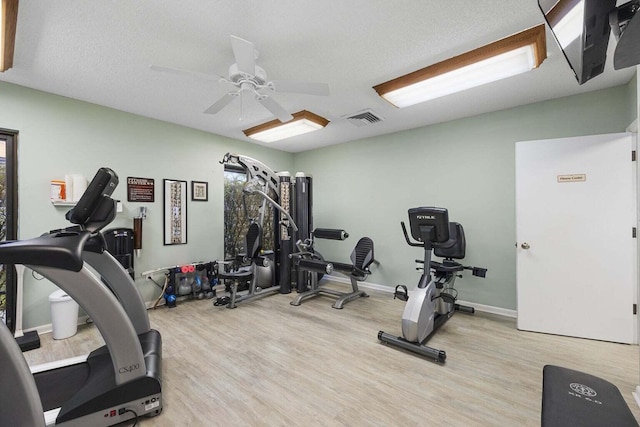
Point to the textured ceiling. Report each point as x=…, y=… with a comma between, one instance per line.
x=100, y=51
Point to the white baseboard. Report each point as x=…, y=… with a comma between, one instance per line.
x=490, y=309
x=48, y=328
x=383, y=288
x=366, y=285
x=636, y=395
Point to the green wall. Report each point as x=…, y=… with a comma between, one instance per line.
x=60, y=136
x=364, y=186
x=467, y=166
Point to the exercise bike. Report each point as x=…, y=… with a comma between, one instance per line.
x=434, y=300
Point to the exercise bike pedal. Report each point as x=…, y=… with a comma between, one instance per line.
x=402, y=294
x=448, y=298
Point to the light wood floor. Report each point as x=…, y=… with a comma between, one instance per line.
x=268, y=363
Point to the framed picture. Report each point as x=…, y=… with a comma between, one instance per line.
x=199, y=191
x=175, y=212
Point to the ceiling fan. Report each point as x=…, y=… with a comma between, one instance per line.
x=248, y=77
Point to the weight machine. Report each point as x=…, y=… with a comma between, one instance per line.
x=291, y=198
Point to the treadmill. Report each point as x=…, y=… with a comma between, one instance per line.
x=119, y=381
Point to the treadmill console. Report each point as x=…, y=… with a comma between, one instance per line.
x=102, y=184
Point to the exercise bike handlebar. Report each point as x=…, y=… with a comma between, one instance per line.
x=406, y=236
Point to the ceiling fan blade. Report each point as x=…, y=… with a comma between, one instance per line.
x=294, y=86
x=275, y=108
x=179, y=72
x=221, y=103
x=245, y=54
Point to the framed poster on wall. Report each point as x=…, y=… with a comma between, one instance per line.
x=175, y=212
x=199, y=191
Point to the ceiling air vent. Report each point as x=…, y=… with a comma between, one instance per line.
x=363, y=118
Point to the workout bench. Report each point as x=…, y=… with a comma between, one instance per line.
x=307, y=260
x=573, y=398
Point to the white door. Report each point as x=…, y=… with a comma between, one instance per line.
x=576, y=251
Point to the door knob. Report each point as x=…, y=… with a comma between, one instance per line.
x=525, y=245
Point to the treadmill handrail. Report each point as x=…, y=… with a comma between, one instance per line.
x=59, y=249
x=20, y=403
x=108, y=315
x=122, y=286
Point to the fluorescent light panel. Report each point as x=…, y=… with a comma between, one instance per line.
x=8, y=21
x=303, y=122
x=505, y=58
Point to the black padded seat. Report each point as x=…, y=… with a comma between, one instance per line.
x=362, y=255
x=447, y=266
x=236, y=275
x=343, y=267
x=361, y=258
x=574, y=398
x=253, y=246
x=456, y=246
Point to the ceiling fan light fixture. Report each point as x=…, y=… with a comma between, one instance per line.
x=504, y=58
x=303, y=122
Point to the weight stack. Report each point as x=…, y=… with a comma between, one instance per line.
x=284, y=240
x=303, y=217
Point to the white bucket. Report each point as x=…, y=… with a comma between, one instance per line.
x=64, y=315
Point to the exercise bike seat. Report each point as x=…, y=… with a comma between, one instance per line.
x=455, y=247
x=446, y=266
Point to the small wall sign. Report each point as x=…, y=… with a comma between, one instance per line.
x=140, y=189
x=576, y=177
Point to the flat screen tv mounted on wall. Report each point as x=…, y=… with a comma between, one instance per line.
x=582, y=28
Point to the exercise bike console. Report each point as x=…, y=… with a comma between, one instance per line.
x=429, y=226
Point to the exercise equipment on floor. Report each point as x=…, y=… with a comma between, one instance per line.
x=433, y=302
x=120, y=244
x=252, y=270
x=574, y=398
x=290, y=198
x=113, y=384
x=196, y=280
x=308, y=260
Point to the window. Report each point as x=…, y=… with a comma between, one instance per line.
x=8, y=222
x=239, y=211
